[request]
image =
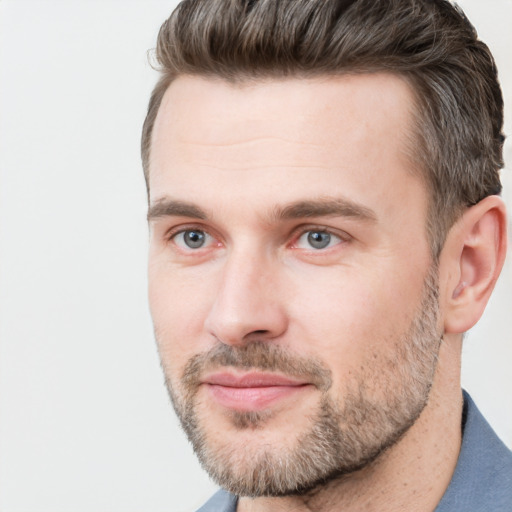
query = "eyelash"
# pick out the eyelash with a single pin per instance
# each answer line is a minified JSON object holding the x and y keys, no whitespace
{"x":296,"y":235}
{"x":172,"y":234}
{"x":303,"y":230}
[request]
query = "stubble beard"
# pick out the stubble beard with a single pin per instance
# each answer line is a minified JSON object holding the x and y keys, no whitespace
{"x":343,"y":437}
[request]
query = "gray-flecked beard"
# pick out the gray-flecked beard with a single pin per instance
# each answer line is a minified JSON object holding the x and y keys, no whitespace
{"x":344,"y":436}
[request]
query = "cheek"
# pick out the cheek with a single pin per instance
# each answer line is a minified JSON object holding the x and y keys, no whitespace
{"x":352,"y":319}
{"x":178,"y":306}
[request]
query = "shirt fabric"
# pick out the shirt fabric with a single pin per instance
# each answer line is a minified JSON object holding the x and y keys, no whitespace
{"x":481,"y":482}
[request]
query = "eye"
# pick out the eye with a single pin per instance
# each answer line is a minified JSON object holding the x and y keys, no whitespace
{"x":317,"y":239}
{"x":192,"y":239}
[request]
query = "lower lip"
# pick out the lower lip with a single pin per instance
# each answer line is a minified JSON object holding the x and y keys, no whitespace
{"x":252,"y":399}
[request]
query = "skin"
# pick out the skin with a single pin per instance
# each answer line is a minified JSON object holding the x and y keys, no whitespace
{"x":235,"y":162}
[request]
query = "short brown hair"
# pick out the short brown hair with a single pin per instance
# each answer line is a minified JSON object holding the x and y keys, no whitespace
{"x":430,"y":43}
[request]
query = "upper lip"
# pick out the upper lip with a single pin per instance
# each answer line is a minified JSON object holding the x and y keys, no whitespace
{"x":250,"y":380}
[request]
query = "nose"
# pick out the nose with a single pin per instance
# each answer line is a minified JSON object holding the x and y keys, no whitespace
{"x":248,"y":303}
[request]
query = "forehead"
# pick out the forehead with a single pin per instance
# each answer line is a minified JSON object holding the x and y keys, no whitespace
{"x":314,"y":110}
{"x":344,"y":135}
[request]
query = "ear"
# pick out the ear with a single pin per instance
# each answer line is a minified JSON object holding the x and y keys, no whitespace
{"x":471,"y":261}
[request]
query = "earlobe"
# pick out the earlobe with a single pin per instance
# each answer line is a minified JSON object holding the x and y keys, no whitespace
{"x":477,"y":247}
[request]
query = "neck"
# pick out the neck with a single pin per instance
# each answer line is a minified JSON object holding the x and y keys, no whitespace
{"x":411,"y":475}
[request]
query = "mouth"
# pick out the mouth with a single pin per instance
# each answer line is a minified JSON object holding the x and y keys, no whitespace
{"x":254,"y":391}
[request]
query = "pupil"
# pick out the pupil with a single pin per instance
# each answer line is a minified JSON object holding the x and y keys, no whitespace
{"x":319,"y":240}
{"x":194,"y":239}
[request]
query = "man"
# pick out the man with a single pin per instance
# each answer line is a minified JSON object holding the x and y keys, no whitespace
{"x":323,"y":180}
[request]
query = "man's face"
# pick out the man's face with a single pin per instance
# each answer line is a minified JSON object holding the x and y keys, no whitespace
{"x":291,"y":287}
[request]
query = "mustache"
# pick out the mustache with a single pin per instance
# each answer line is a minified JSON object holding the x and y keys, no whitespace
{"x":256,"y":355}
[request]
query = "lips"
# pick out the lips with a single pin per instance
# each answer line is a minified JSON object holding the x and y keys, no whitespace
{"x":254,"y":391}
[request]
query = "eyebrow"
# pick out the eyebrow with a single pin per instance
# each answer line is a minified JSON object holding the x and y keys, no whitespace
{"x":171,"y":208}
{"x":339,"y":207}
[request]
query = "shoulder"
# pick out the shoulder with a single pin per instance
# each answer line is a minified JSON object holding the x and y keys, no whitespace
{"x":482,"y":481}
{"x":221,"y":501}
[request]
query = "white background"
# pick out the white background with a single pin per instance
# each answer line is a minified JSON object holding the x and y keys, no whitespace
{"x":85,"y":423}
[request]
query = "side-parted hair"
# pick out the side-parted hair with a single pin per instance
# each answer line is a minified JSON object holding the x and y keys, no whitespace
{"x":457,"y":133}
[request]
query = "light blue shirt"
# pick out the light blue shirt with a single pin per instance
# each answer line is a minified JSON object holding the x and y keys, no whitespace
{"x":482,"y":481}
